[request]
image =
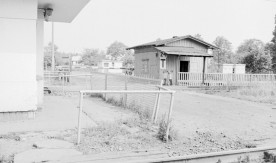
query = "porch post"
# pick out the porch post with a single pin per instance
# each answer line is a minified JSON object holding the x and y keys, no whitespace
{"x":203,"y":70}
{"x":177,"y":69}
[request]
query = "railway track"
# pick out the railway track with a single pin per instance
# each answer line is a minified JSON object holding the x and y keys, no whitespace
{"x":252,"y":155}
{"x":256,"y":155}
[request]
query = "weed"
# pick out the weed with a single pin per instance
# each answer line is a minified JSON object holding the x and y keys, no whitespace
{"x":144,"y":113}
{"x":6,"y":159}
{"x":115,"y":102}
{"x":97,"y":95}
{"x":269,"y":157}
{"x":163,"y":125}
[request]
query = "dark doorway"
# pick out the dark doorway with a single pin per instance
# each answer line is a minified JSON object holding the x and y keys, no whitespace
{"x":184,"y":66}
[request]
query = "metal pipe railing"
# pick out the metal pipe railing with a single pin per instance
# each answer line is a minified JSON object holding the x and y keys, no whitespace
{"x":83,"y":92}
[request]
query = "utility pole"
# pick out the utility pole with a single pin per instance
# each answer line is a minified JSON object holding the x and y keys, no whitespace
{"x":53,"y":48}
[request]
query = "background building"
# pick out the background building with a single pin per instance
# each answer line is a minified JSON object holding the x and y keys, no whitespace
{"x":177,"y":54}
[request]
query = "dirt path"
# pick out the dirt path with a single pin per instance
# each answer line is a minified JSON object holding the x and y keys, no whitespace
{"x":100,"y":111}
{"x":235,"y":118}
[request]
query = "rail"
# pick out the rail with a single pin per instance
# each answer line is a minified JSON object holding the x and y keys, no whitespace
{"x":218,"y":157}
{"x":219,"y":79}
{"x":155,"y":110}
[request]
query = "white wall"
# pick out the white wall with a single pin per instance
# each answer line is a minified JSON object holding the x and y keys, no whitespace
{"x":18,"y":55}
{"x":110,"y":65}
{"x":196,"y":63}
{"x":233,"y":68}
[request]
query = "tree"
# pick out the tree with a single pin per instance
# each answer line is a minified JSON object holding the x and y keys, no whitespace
{"x":48,"y":54}
{"x":128,"y":59}
{"x":252,"y":53}
{"x":198,"y":36}
{"x":272,"y":49}
{"x":91,"y":57}
{"x":223,"y":55}
{"x":117,"y":50}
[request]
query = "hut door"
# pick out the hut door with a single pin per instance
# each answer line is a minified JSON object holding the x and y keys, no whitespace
{"x":184,"y":66}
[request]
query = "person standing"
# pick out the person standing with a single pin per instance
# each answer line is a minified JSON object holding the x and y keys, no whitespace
{"x":170,"y":77}
{"x":165,"y":77}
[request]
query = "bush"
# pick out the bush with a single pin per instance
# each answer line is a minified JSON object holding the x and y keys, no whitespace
{"x":173,"y":134}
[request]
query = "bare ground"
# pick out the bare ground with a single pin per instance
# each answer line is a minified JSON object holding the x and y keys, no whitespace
{"x":205,"y":123}
{"x":237,"y":119}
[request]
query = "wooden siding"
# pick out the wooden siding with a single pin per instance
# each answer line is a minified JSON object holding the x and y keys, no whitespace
{"x":172,"y":62}
{"x":153,"y":62}
{"x":189,"y":43}
{"x":145,"y":50}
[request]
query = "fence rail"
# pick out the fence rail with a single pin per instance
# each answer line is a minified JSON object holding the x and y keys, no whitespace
{"x":219,"y":79}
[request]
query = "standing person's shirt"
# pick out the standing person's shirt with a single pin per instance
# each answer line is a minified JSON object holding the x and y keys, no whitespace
{"x":165,"y":75}
{"x":170,"y":75}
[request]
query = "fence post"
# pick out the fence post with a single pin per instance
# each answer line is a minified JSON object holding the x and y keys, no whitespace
{"x":105,"y":85}
{"x":125,"y":98}
{"x":91,"y":84}
{"x":63,"y":83}
{"x":80,"y":115}
{"x":156,"y":107}
{"x":169,"y":117}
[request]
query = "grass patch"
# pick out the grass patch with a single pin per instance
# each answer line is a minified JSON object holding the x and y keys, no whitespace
{"x":144,"y":113}
{"x":260,"y":93}
{"x":124,"y":135}
{"x":115,"y":102}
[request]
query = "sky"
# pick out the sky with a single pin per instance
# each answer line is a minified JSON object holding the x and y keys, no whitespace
{"x":134,"y":22}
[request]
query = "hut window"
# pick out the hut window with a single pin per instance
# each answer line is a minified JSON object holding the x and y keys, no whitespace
{"x":145,"y":65}
{"x":106,"y":64}
{"x":163,"y":64}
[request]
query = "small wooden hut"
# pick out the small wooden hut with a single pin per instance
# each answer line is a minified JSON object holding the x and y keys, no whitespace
{"x":177,"y":54}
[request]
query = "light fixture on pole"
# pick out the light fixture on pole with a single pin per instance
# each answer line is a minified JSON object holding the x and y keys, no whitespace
{"x":47,"y":12}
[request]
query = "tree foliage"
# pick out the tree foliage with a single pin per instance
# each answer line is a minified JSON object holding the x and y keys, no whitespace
{"x":272,"y":48}
{"x":253,"y":54}
{"x":118,"y":50}
{"x":128,"y":59}
{"x":91,"y":57}
{"x":222,"y":55}
{"x":198,"y":36}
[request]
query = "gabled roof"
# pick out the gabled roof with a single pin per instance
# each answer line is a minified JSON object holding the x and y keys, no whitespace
{"x":170,"y":40}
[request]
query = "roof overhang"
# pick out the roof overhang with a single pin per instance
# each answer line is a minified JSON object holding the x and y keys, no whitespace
{"x":63,"y":10}
{"x":183,"y":51}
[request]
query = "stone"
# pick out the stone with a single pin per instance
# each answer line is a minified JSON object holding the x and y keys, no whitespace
{"x":53,"y":144}
{"x":44,"y":155}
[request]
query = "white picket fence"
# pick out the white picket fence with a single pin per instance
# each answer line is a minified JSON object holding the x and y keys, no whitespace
{"x":219,"y":79}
